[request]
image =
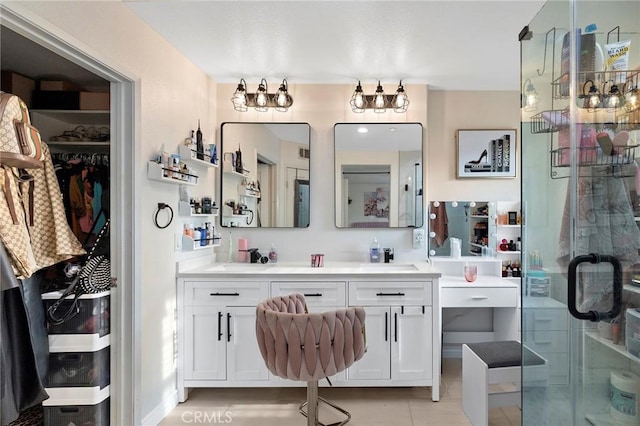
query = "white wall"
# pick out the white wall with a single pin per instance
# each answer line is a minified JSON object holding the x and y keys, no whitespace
{"x":449,"y":111}
{"x":174,"y":94}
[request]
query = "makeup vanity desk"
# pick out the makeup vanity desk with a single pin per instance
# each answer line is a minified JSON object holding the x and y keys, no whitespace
{"x":489,"y":290}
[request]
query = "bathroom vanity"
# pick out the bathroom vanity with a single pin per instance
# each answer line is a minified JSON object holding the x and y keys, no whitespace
{"x":216,"y":306}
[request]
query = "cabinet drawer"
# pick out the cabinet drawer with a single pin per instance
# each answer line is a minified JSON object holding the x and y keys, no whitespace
{"x":389,"y":293}
{"x":479,"y":297}
{"x":325,"y":293}
{"x":543,"y":342}
{"x":231,"y":293}
{"x":539,"y":319}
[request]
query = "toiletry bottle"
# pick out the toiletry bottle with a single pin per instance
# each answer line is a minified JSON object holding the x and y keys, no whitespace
{"x":230,"y":249}
{"x":374,"y":251}
{"x":239,"y":167}
{"x":199,"y":145}
{"x":196,"y":237}
{"x":273,"y":254}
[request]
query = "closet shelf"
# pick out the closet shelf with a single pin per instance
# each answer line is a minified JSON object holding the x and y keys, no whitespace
{"x":75,"y":116}
{"x":78,"y":143}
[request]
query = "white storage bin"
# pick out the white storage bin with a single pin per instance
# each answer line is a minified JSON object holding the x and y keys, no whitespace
{"x":632,"y":331}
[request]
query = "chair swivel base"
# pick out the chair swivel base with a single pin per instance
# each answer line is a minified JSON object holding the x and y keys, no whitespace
{"x":343,"y":411}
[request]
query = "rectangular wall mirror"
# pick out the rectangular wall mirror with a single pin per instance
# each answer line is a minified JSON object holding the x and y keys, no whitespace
{"x":378,"y":175}
{"x":265,"y":175}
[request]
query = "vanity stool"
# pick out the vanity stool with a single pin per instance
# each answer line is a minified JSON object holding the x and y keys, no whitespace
{"x":488,"y":363}
{"x":299,"y":345}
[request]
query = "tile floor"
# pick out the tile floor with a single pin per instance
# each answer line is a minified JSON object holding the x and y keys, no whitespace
{"x":368,"y":406}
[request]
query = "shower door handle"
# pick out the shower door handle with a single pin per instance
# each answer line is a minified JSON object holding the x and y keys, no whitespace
{"x":617,"y":287}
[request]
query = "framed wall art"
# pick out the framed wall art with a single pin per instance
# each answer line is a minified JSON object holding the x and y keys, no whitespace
{"x":486,"y":153}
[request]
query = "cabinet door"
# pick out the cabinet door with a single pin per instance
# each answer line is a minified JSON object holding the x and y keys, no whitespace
{"x":244,"y":361}
{"x":375,"y":364}
{"x":205,"y":345}
{"x":411,"y":334}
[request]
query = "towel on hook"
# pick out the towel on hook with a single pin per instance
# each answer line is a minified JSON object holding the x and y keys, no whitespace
{"x":605,"y":224}
{"x":439,"y":225}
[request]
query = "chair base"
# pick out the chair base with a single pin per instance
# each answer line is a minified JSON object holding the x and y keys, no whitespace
{"x":312,"y":409}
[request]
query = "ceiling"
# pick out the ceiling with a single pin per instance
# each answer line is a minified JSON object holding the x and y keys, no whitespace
{"x":449,"y":45}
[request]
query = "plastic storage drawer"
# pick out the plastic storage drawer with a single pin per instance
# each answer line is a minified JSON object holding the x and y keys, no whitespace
{"x":76,"y":369}
{"x":92,"y":314}
{"x":632,"y":331}
{"x":77,"y":406}
{"x":538,"y":286}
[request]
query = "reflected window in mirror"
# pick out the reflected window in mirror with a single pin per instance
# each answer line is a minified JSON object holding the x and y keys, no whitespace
{"x":378,"y":175}
{"x":265,"y":175}
{"x":471,"y":222}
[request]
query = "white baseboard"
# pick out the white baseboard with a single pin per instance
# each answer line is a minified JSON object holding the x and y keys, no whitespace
{"x":162,"y":410}
{"x":452,"y":351}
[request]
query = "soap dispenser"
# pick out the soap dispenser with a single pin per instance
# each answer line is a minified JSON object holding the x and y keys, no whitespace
{"x":374,"y":251}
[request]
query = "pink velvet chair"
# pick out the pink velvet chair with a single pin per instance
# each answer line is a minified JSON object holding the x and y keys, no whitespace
{"x":299,"y":345}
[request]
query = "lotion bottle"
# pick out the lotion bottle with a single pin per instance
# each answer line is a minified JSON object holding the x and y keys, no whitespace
{"x":374,"y":251}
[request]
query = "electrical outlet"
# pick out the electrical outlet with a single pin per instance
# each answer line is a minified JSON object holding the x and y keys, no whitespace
{"x":418,"y":238}
{"x":177,"y":242}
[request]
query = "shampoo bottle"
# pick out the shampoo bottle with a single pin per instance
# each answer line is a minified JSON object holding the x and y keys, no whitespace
{"x":374,"y":251}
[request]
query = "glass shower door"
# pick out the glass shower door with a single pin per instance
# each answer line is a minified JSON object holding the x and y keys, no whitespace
{"x":581,"y":241}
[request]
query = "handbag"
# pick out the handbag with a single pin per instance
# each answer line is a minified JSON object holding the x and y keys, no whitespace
{"x":93,"y":277}
{"x":20,"y":142}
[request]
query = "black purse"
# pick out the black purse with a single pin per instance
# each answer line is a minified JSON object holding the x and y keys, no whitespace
{"x":93,"y":277}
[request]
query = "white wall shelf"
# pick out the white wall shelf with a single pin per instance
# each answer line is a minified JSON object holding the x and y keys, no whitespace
{"x":184,"y":209}
{"x":189,"y":244}
{"x":621,"y":349}
{"x":155,"y":171}
{"x":190,"y":156}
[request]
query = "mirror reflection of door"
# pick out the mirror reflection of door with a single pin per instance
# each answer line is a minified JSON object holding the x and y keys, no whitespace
{"x":368,"y":192}
{"x":273,"y":156}
{"x":301,"y":206}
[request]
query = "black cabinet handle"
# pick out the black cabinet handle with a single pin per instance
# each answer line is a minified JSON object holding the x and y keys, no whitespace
{"x":617,"y":287}
{"x":386,"y":326}
{"x":228,"y":327}
{"x":390,"y":294}
{"x":396,"y":326}
{"x":219,"y":326}
{"x":312,"y":294}
{"x":224,"y":294}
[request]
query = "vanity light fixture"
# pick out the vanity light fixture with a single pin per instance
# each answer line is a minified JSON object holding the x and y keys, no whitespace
{"x":531,"y":98}
{"x":262,"y":100}
{"x":592,"y":99}
{"x":379,"y":102}
{"x":613,"y":99}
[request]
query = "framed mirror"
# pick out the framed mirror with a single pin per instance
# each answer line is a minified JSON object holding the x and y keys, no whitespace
{"x":265,"y":175}
{"x":378,"y":175}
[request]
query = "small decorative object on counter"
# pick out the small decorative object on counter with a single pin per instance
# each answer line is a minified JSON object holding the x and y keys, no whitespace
{"x":317,"y":260}
{"x":273,"y":254}
{"x":470,"y":273}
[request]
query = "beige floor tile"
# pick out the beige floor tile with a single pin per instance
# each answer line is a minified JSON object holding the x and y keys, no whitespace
{"x":452,"y":368}
{"x":454,"y":389}
{"x":447,"y":412}
{"x":514,"y":414}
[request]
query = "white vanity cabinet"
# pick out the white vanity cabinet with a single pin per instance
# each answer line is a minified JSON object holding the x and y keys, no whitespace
{"x":216,"y":333}
{"x":399,"y":326}
{"x":217,"y":344}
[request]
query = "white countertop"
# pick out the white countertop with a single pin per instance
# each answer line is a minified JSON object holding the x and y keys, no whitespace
{"x":481,"y":281}
{"x":211,"y":270}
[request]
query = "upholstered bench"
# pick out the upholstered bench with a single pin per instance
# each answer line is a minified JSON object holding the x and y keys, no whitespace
{"x":490,"y":363}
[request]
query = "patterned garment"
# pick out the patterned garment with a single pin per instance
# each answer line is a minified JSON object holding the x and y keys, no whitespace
{"x":49,"y":239}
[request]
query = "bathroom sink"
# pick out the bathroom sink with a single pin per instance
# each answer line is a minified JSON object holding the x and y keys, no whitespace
{"x":387,"y":267}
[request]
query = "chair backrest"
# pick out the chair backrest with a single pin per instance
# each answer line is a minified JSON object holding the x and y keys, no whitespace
{"x":299,"y":345}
